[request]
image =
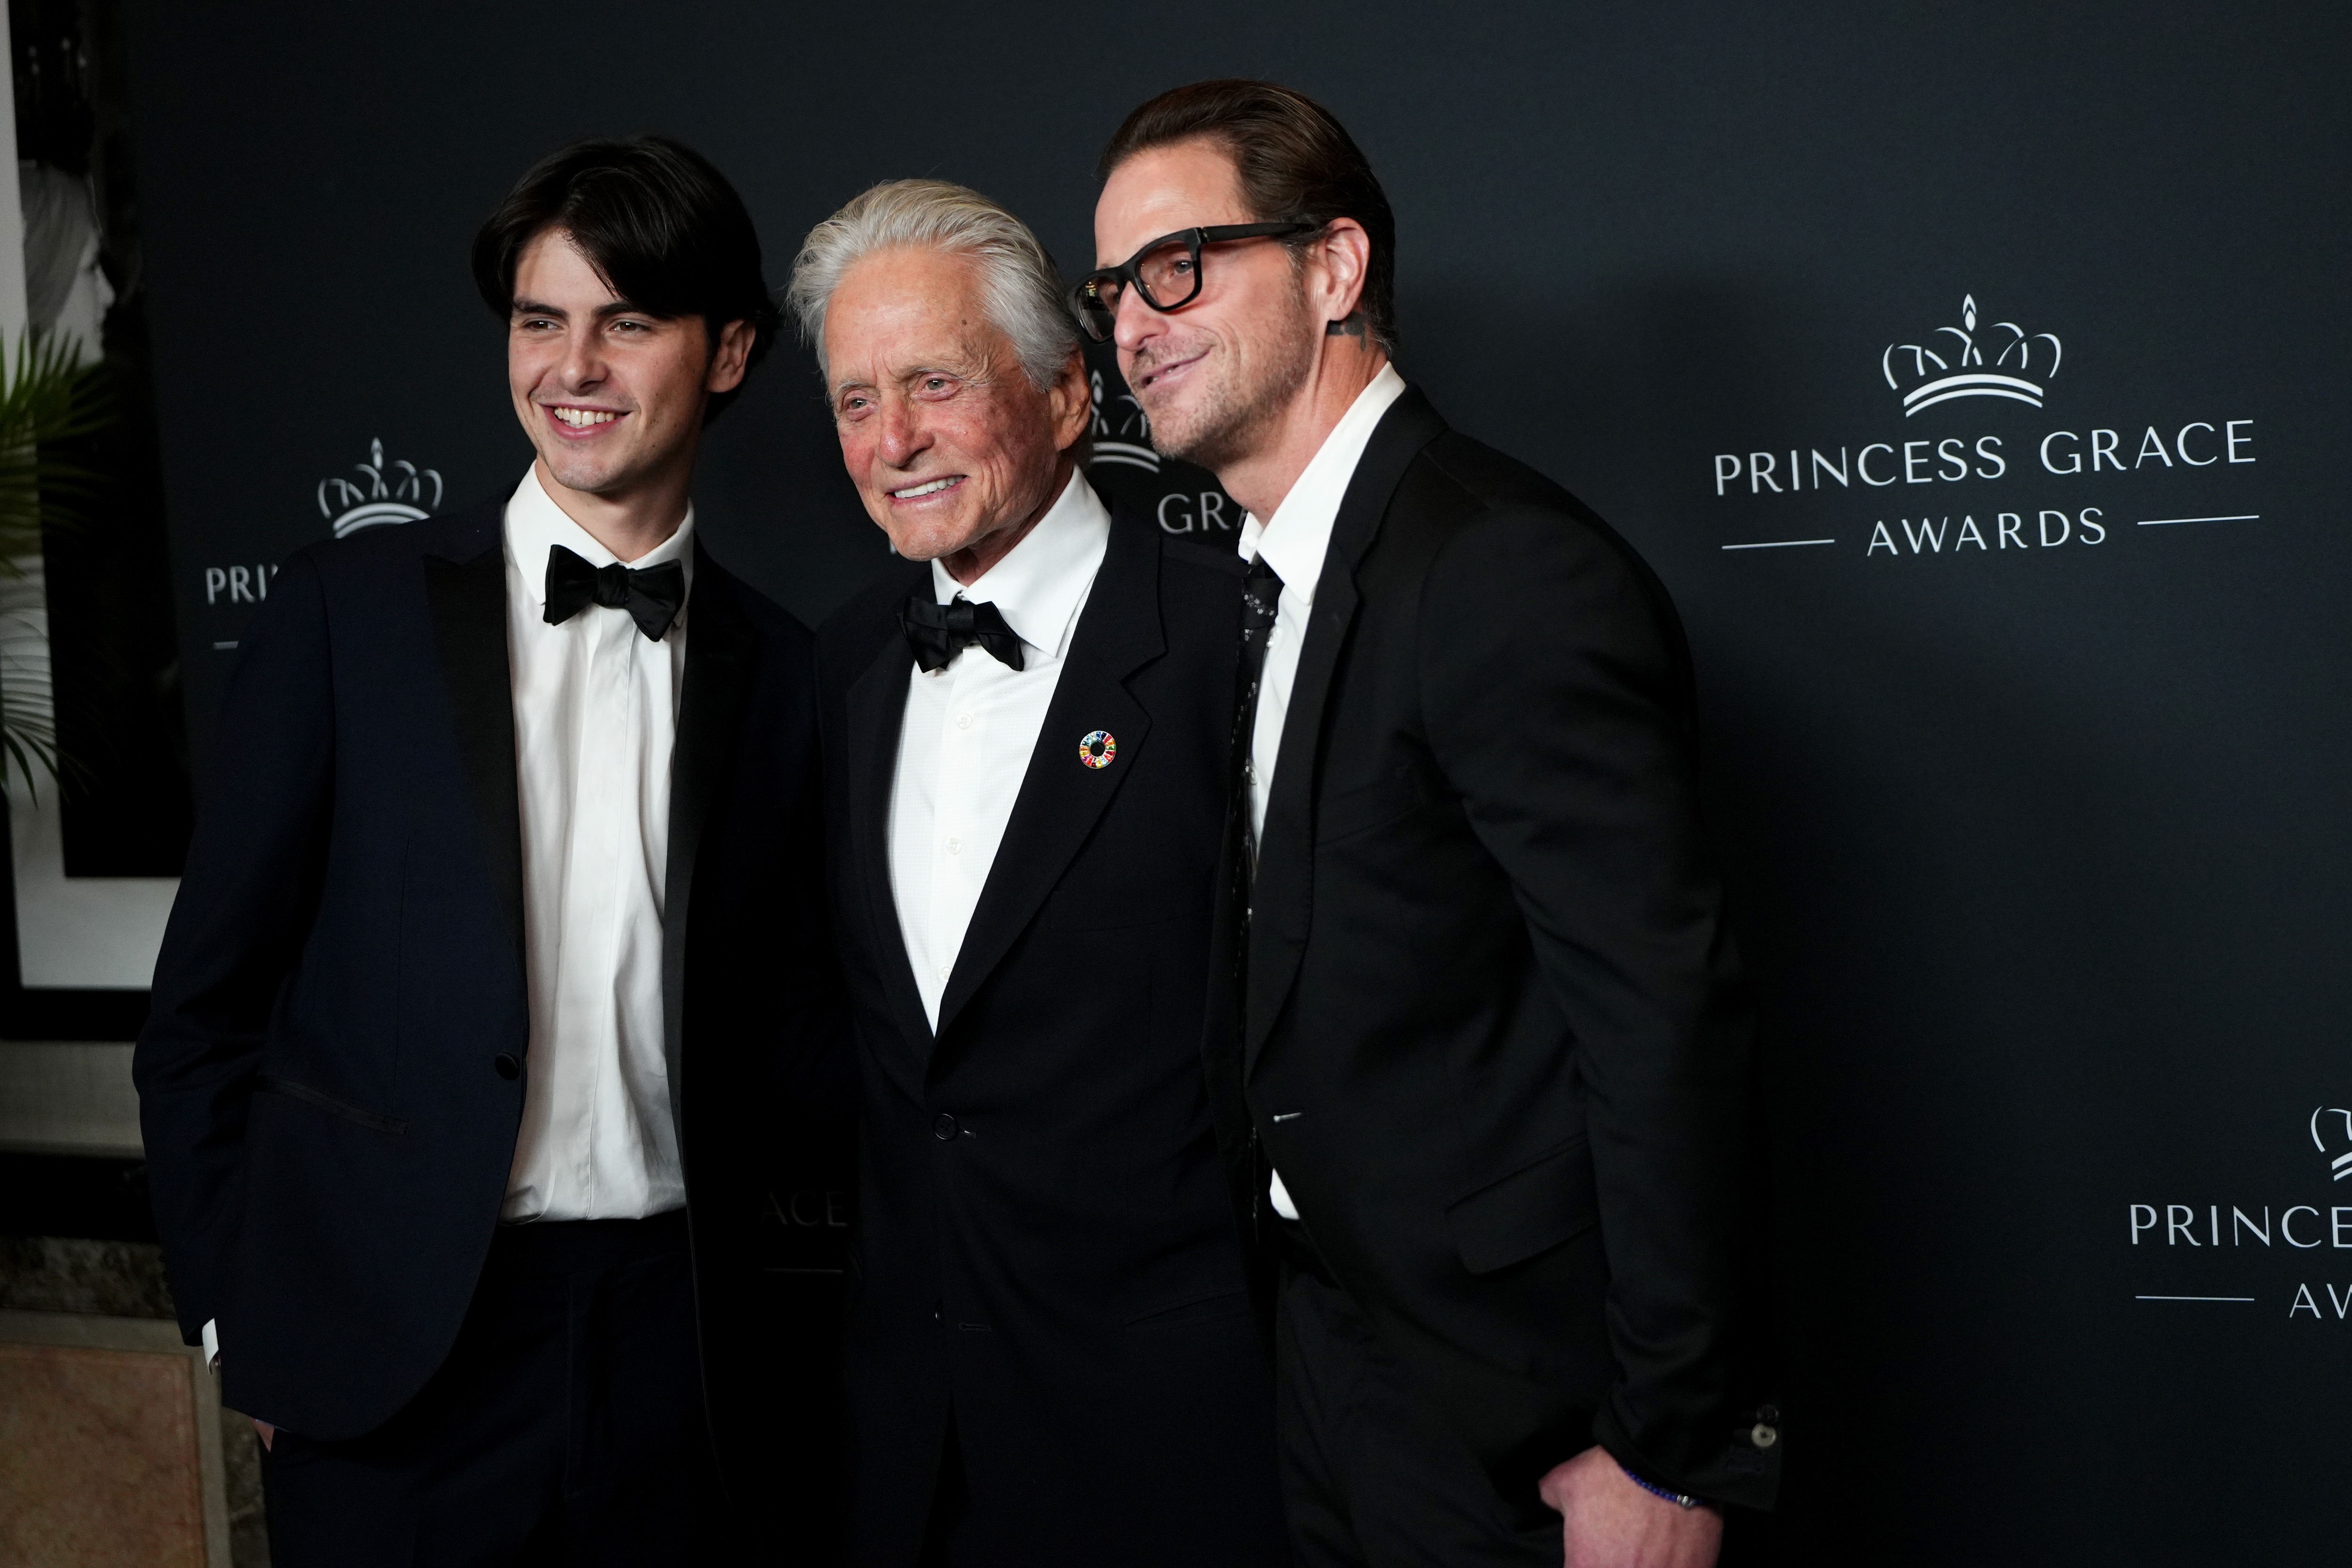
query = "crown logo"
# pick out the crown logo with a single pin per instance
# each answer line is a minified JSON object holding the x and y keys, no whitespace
{"x":384,"y":492}
{"x":1955,"y":378}
{"x":1128,"y":441}
{"x":2342,"y":1164}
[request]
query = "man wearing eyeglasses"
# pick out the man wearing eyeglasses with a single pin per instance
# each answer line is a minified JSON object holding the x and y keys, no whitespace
{"x":1490,"y":1025}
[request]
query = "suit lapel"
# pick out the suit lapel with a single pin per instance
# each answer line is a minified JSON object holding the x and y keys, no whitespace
{"x":1282,"y":902}
{"x":876,"y":703}
{"x":718,"y":665}
{"x":465,"y":595}
{"x":1061,"y":800}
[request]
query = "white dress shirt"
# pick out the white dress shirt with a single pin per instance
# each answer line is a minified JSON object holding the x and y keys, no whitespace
{"x":971,"y":727}
{"x":595,"y":708}
{"x":1294,"y":541}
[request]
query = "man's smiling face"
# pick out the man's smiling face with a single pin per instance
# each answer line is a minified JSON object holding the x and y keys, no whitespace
{"x":611,"y":395}
{"x":946,"y":439}
{"x":1213,"y":375}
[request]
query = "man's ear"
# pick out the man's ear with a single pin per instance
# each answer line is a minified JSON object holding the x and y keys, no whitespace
{"x":1342,"y":255}
{"x":1071,"y":399}
{"x":729,"y":357}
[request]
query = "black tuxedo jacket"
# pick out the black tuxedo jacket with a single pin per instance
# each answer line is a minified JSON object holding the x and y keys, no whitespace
{"x":1495,"y":1038}
{"x":328,"y":1080}
{"x":1048,"y":1241}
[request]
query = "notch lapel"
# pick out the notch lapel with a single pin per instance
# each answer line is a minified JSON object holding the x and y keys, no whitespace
{"x":1061,"y":800}
{"x":876,"y":704}
{"x":1282,"y":902}
{"x":465,"y":595}
{"x":719,"y":657}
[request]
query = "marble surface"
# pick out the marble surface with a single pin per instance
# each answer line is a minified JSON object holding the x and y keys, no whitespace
{"x":67,"y":1274}
{"x":110,"y":1450}
{"x":126,"y":1279}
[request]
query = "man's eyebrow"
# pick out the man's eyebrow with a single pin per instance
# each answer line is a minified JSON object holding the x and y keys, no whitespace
{"x":603,"y":312}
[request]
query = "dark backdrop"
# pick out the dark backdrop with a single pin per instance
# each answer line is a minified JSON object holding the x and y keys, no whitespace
{"x":2031,"y":793}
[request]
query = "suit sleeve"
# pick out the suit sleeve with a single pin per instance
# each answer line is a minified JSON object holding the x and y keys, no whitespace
{"x":1557,"y":705}
{"x":236,"y":929}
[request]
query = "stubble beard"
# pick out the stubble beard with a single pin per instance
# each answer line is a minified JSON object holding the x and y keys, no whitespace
{"x":1234,"y":413}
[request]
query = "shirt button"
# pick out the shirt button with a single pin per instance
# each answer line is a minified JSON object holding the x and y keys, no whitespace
{"x":955,"y":846}
{"x":963,"y":720}
{"x":944,"y":1128}
{"x":946,"y":970}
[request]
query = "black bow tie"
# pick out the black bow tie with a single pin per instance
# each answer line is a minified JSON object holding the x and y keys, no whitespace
{"x":652,"y":596}
{"x":938,"y":632}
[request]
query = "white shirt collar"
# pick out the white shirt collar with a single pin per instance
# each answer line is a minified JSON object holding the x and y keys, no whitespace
{"x":535,"y":524}
{"x":1295,"y":539}
{"x":1041,"y":583}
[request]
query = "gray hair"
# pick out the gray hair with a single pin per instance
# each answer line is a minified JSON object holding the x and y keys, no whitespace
{"x":1019,"y":286}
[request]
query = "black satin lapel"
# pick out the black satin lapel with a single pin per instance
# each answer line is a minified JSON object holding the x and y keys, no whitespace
{"x":1061,"y":798}
{"x":877,"y":710}
{"x":719,"y":653}
{"x":1281,"y":904}
{"x":468,"y":606}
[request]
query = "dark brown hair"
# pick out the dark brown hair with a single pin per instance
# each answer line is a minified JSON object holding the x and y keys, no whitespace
{"x":661,"y":224}
{"x":1293,"y":158}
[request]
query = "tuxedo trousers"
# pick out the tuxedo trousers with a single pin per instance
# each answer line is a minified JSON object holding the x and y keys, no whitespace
{"x":1371,"y":1475}
{"x":567,"y":1426}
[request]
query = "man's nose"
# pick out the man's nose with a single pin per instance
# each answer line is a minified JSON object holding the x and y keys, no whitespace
{"x":584,"y":363}
{"x":1136,"y":323}
{"x":903,"y":432}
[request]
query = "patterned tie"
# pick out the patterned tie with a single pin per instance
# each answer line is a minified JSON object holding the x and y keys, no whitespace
{"x":1261,"y":598}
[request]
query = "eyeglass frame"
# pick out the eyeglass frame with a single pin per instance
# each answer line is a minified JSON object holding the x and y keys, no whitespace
{"x":1195,"y":240}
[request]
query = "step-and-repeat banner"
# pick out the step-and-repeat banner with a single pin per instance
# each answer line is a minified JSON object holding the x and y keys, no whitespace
{"x":1973,"y":377}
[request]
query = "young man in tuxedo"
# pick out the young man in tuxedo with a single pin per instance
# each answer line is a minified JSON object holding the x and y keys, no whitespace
{"x":1495,"y":1041}
{"x":1053,"y":1353}
{"x":501,"y":938}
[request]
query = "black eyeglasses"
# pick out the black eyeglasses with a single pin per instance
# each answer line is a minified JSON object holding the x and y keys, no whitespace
{"x":1166,"y":273}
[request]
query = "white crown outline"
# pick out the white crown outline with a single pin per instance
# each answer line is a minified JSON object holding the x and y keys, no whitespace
{"x":1964,"y":383}
{"x":1134,"y":454}
{"x":389,"y":494}
{"x":2342,"y":1164}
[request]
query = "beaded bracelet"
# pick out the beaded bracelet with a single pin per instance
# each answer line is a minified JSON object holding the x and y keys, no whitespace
{"x":1678,"y":1499}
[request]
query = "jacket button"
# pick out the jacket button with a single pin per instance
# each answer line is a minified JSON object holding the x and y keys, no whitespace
{"x":508,"y":1069}
{"x":944,"y":1129}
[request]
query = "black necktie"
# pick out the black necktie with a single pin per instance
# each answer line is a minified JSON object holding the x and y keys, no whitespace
{"x":652,"y":596}
{"x":938,"y":632}
{"x":1261,"y":599}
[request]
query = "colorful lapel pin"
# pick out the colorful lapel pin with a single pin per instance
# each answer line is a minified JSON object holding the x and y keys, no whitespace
{"x":1097,"y":749}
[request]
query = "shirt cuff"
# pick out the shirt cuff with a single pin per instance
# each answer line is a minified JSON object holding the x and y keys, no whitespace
{"x":1278,"y":1194}
{"x":212,"y":1343}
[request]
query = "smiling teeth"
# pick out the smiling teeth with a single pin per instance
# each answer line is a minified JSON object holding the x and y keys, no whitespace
{"x":580,"y":418}
{"x":924,"y":489}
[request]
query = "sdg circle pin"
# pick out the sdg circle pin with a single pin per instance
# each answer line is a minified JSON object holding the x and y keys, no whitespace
{"x":1097,"y":749}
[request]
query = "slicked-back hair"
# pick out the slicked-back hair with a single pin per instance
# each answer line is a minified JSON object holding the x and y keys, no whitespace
{"x":661,"y":226}
{"x":1293,"y":158}
{"x":1020,"y":289}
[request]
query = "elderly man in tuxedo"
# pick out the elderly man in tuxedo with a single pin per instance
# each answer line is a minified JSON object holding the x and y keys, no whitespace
{"x":1056,"y":1352}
